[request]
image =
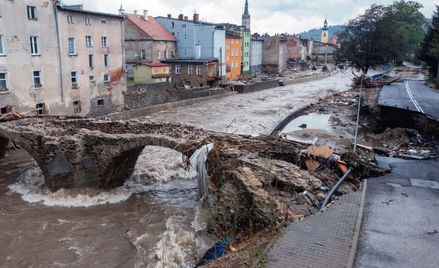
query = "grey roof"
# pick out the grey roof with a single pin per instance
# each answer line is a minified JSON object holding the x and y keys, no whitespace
{"x":74,"y":8}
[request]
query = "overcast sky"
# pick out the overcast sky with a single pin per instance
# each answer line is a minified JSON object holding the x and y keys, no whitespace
{"x":272,"y":16}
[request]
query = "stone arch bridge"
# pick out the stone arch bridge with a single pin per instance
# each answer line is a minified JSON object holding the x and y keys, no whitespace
{"x":75,"y":153}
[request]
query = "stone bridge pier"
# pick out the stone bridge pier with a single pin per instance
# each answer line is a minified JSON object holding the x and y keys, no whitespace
{"x":86,"y":153}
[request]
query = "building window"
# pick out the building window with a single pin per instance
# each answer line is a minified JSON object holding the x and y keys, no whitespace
{"x":177,"y":69}
{"x":104,"y":21}
{"x":70,"y":19}
{"x":236,"y":52}
{"x":158,"y":54}
{"x":183,"y":26}
{"x":88,"y":41}
{"x":190,"y":69}
{"x":232,"y":52}
{"x":100,"y":102}
{"x":199,"y":69}
{"x":72,"y":46}
{"x":38,"y":79}
{"x":31,"y":13}
{"x":236,"y":64}
{"x":4,"y":83}
{"x":166,"y":54}
{"x":40,"y":108}
{"x":106,"y":78}
{"x":2,"y":46}
{"x":232,"y":41}
{"x":76,"y":107}
{"x":227,"y":45}
{"x":172,"y":54}
{"x":184,"y":36}
{"x":233,"y":65}
{"x":170,"y":69}
{"x":74,"y":79}
{"x":91,"y":78}
{"x":227,"y":58}
{"x":87,"y":21}
{"x":172,"y":25}
{"x":34,"y":45}
{"x":91,"y":61}
{"x":142,"y":54}
{"x":236,"y":41}
{"x":104,"y":41}
{"x":106,"y":61}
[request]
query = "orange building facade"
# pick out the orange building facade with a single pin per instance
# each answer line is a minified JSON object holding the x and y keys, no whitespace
{"x":233,"y":55}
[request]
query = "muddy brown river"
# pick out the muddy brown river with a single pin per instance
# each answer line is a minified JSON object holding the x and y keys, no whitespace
{"x":154,"y":219}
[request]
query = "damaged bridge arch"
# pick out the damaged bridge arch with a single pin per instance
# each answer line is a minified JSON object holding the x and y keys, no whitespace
{"x":87,"y":153}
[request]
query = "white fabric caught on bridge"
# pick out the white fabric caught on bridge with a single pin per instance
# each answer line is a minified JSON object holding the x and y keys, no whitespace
{"x":198,"y":161}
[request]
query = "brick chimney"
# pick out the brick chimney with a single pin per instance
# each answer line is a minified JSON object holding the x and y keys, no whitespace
{"x":256,"y":35}
{"x":196,"y":17}
{"x":169,"y":15}
{"x":185,"y":17}
{"x":180,"y":16}
{"x":145,"y":15}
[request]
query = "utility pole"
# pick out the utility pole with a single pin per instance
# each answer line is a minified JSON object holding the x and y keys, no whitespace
{"x":326,"y":52}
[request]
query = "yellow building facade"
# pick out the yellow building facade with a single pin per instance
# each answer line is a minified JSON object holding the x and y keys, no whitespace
{"x":233,"y":55}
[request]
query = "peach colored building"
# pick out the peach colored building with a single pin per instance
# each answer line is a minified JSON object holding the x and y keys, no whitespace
{"x":233,"y":55}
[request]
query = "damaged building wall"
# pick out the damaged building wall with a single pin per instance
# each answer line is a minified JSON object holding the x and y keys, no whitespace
{"x":274,"y":56}
{"x":23,"y":66}
{"x":97,"y":63}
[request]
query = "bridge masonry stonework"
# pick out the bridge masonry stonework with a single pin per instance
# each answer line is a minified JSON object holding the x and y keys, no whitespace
{"x":87,"y":153}
{"x":264,"y":173}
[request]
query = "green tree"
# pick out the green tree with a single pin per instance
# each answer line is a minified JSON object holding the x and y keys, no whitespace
{"x":410,"y":25}
{"x":429,"y":51}
{"x":369,"y":40}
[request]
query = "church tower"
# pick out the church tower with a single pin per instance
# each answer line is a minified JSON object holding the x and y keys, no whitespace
{"x":325,"y":32}
{"x":246,"y":17}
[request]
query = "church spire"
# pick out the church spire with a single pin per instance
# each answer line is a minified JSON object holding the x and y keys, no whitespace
{"x":246,"y":17}
{"x":246,"y":9}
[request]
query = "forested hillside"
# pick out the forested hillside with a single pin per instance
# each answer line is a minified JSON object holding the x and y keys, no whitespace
{"x":316,"y":34}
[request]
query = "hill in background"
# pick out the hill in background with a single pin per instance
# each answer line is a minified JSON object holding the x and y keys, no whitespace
{"x":316,"y":34}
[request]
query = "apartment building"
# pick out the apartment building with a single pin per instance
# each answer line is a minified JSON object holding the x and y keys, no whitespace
{"x":197,"y":39}
{"x":146,"y":41}
{"x":60,"y":60}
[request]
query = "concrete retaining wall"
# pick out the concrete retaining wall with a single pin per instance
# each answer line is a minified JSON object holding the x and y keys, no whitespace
{"x":143,"y":95}
{"x":306,"y":79}
{"x":256,"y":86}
{"x":126,"y":115}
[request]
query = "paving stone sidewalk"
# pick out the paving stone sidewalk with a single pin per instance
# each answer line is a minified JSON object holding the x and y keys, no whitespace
{"x":334,"y":228}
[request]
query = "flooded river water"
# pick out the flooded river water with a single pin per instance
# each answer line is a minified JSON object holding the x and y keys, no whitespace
{"x":154,"y":220}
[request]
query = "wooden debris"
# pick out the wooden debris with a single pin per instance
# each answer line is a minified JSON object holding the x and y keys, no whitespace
{"x":319,"y":243}
{"x":322,"y":151}
{"x":364,"y":146}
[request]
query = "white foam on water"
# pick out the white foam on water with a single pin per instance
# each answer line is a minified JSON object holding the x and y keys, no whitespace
{"x":155,"y":167}
{"x":172,"y":249}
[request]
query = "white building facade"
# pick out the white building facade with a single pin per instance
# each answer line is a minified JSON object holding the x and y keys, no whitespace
{"x":60,"y":60}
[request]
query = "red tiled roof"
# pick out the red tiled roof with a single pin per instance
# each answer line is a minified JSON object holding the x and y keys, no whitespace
{"x":333,"y":40}
{"x":152,"y":27}
{"x":155,"y":64}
